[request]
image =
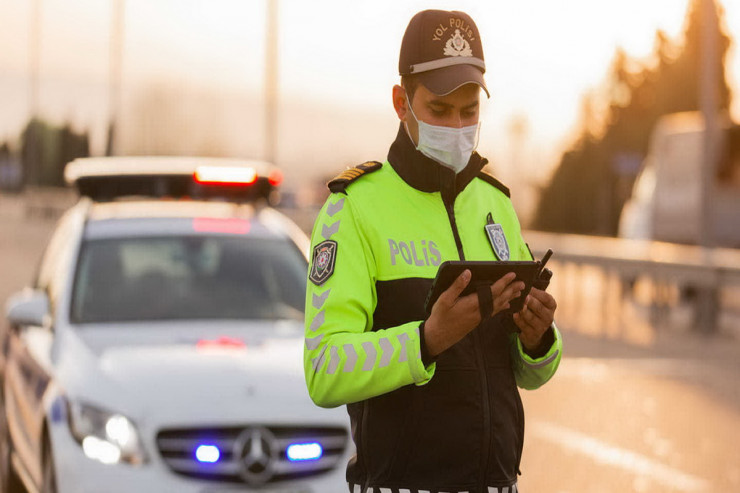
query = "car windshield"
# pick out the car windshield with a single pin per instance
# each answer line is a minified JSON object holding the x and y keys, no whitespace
{"x":188,"y":277}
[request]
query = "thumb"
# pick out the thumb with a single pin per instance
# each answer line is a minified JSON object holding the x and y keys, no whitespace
{"x":457,"y":287}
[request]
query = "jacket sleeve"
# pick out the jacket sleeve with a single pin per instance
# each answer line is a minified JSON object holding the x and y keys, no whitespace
{"x":532,"y":373}
{"x":344,"y":360}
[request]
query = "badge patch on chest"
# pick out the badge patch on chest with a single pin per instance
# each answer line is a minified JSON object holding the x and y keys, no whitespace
{"x":498,"y":241}
{"x":322,"y":264}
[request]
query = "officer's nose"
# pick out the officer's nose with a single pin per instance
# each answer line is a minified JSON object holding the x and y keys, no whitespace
{"x":457,"y":121}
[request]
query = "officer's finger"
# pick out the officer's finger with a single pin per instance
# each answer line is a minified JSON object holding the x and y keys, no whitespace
{"x":529,"y":323}
{"x":532,"y":306}
{"x":545,"y":298}
{"x":514,"y":290}
{"x":499,"y":286}
{"x":502,"y":301}
{"x":451,"y":294}
{"x":529,"y":336}
{"x":525,"y":326}
{"x":528,"y":316}
{"x":536,"y":307}
{"x":511,"y":291}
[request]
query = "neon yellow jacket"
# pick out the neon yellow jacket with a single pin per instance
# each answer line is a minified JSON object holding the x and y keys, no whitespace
{"x":386,"y":230}
{"x":376,"y":246}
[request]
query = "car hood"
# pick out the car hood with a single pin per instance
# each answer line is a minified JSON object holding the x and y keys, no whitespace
{"x":184,"y":373}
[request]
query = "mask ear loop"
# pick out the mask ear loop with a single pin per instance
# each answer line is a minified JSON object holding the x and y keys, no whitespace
{"x":411,"y":109}
{"x":477,"y":135}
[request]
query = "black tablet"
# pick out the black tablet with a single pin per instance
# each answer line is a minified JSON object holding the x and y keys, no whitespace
{"x":486,"y":273}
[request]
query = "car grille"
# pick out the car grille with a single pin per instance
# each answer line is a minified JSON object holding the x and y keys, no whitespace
{"x":253,"y":455}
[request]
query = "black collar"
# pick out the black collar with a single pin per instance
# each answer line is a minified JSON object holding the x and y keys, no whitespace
{"x":426,"y":174}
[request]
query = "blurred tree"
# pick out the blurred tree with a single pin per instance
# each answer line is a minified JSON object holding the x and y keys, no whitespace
{"x":8,"y":171}
{"x":46,"y":150}
{"x":71,"y":146}
{"x":594,"y":177}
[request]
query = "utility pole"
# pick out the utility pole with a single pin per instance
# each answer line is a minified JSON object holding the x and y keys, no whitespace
{"x":271,"y":81}
{"x":707,"y":303}
{"x":708,"y":103}
{"x":115,"y":72}
{"x":31,"y":168}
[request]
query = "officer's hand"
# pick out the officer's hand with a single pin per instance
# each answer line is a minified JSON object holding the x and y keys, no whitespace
{"x":535,"y":317}
{"x":454,"y":316}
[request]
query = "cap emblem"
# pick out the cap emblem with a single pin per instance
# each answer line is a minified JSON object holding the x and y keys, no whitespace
{"x":457,"y":46}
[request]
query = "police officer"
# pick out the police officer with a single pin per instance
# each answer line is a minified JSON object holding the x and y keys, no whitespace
{"x":432,"y":398}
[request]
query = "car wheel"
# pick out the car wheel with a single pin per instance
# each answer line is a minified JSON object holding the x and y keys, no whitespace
{"x":49,"y":480}
{"x":9,"y":481}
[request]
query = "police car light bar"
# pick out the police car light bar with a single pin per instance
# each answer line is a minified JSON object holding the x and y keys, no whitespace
{"x":201,"y":178}
{"x":225,"y":175}
{"x":221,"y":225}
{"x":276,"y":177}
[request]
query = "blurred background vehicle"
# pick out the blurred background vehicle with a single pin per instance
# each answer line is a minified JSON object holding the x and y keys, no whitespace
{"x":667,"y":200}
{"x":159,"y":348}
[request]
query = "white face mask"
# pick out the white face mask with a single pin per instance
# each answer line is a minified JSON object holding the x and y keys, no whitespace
{"x":451,"y":147}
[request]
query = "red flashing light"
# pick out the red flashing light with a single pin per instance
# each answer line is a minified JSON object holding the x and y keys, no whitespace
{"x":225,"y":175}
{"x":221,"y":342}
{"x":217,"y":225}
{"x":275,"y":178}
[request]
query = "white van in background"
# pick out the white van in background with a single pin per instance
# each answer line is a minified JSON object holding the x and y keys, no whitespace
{"x":666,"y":201}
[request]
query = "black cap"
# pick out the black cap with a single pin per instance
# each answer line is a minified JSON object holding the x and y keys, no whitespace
{"x":444,"y":50}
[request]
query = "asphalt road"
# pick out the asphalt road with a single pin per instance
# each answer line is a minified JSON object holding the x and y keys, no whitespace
{"x":617,"y":417}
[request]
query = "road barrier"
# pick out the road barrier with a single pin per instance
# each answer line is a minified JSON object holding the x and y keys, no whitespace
{"x":671,"y":278}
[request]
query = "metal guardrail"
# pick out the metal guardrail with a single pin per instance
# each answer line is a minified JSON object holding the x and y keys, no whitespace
{"x":707,"y":280}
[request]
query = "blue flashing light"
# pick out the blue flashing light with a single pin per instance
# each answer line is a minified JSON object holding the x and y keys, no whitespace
{"x":208,"y":454}
{"x":304,"y":451}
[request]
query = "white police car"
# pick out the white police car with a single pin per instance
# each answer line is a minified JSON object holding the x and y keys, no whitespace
{"x":160,"y":349}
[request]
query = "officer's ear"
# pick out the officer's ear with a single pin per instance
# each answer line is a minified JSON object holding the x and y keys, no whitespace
{"x":400,"y":102}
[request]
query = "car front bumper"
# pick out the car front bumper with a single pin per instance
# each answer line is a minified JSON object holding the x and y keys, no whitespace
{"x":76,"y":473}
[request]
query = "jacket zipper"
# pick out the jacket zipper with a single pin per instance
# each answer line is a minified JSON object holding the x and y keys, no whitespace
{"x":480,"y":360}
{"x":453,"y":224}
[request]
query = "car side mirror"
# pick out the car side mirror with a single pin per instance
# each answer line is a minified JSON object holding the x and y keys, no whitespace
{"x":28,"y":307}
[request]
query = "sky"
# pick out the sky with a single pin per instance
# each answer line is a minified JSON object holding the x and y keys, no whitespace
{"x":337,"y":63}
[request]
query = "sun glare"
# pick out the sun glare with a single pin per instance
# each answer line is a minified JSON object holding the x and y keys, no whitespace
{"x":541,"y":57}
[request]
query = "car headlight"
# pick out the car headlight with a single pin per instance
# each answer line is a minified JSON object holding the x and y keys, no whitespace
{"x":105,"y":436}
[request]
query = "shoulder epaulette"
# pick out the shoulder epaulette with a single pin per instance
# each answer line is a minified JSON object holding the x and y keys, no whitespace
{"x":340,"y":182}
{"x":483,"y":175}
